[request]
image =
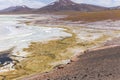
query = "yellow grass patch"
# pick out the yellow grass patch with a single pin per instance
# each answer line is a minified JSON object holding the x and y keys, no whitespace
{"x":92,"y":16}
{"x":42,"y":56}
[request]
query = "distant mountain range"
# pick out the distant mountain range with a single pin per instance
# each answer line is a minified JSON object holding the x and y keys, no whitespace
{"x":17,"y":9}
{"x":59,"y":5}
{"x":118,"y":7}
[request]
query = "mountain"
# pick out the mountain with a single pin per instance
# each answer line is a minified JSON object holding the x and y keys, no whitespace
{"x":68,"y":5}
{"x":16,"y":9}
{"x":59,"y":5}
{"x":117,"y":7}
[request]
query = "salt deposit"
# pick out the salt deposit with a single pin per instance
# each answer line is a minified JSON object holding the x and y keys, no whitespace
{"x":14,"y":34}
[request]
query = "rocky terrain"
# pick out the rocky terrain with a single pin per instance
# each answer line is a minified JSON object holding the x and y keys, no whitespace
{"x":58,"y":45}
{"x":100,"y":64}
{"x":93,"y":63}
{"x":81,"y":37}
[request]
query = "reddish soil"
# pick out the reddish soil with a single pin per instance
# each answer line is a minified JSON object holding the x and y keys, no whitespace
{"x":100,"y":64}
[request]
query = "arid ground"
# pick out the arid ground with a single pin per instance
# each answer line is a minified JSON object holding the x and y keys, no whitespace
{"x":95,"y":57}
{"x":69,"y":49}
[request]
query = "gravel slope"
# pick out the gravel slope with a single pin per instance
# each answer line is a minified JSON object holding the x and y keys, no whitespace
{"x":102,"y":64}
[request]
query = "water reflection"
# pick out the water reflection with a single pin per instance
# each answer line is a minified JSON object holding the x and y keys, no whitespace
{"x":5,"y":59}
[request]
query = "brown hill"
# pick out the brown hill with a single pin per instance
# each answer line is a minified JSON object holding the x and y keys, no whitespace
{"x":16,"y":9}
{"x":68,"y":5}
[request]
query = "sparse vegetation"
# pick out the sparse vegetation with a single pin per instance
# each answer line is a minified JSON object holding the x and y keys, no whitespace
{"x":27,"y":22}
{"x":42,"y":56}
{"x":91,"y":16}
{"x":45,"y":56}
{"x":89,"y":44}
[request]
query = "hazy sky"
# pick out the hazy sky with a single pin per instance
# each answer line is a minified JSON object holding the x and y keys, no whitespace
{"x":40,"y":3}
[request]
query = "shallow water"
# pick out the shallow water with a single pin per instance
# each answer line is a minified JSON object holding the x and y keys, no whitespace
{"x":5,"y":59}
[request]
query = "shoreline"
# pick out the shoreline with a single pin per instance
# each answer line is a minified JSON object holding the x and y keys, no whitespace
{"x":84,"y":39}
{"x":61,"y":73}
{"x":74,"y":59}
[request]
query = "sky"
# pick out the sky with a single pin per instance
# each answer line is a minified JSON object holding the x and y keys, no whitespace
{"x":41,"y":3}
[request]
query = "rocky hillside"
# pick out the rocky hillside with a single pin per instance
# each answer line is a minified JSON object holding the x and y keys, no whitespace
{"x":16,"y":9}
{"x":68,"y":5}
